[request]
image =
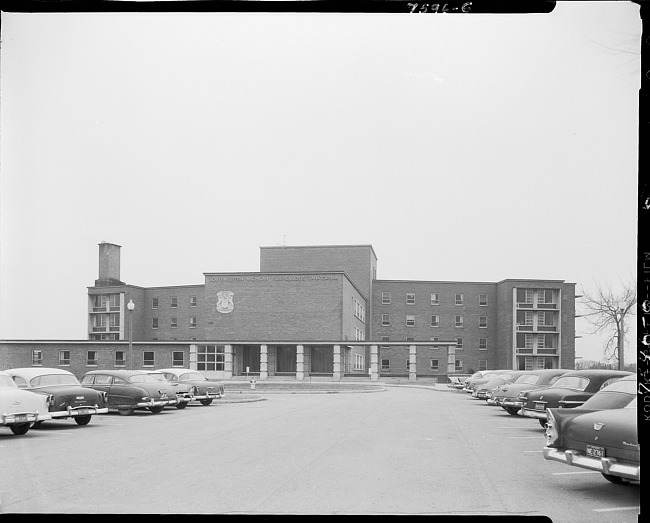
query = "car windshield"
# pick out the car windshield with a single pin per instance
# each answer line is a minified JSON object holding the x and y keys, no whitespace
{"x":528,"y":379}
{"x":7,"y":382}
{"x":53,"y":379}
{"x":572,"y":382}
{"x":193,"y":376}
{"x":142,"y":378}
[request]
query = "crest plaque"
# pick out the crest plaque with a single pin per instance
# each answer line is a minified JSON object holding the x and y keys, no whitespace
{"x":225,"y":301}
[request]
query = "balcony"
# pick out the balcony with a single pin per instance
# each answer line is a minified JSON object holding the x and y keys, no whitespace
{"x":100,"y":329}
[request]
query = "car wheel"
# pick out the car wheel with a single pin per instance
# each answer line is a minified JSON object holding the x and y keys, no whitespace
{"x":156,"y":410}
{"x":20,"y":428}
{"x":542,"y":422}
{"x":613,"y":479}
{"x":206,"y":401}
{"x":125,"y":412}
{"x":83,"y":420}
{"x":182,"y":405}
{"x":512,"y":412}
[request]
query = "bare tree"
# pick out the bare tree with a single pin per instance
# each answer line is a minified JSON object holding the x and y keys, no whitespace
{"x":606,"y":310}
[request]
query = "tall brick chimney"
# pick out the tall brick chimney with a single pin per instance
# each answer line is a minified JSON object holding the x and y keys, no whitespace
{"x":109,"y":265}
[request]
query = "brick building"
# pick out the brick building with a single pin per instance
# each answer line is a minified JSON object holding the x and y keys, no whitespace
{"x":316,"y":311}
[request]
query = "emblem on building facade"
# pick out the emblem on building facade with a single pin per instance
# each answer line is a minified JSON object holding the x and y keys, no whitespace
{"x":225,"y":302}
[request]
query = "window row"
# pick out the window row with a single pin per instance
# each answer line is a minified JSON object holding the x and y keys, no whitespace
{"x":435,"y":321}
{"x":173,"y":322}
{"x":119,"y":358}
{"x":359,"y":310}
{"x":482,"y":343}
{"x":434,"y":365}
{"x":100,"y":301}
{"x":545,"y":318}
{"x":173,"y":302}
{"x":544,"y":296}
{"x":358,"y":334}
{"x":459,"y":299}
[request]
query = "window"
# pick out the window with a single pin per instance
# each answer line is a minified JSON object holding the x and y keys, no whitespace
{"x":119,"y":358}
{"x":114,"y":302}
{"x":459,"y":366}
{"x":528,"y":343}
{"x":64,"y":357}
{"x":409,"y":339}
{"x":544,"y":342}
{"x":147,"y":358}
{"x":435,"y":321}
{"x":192,"y":301}
{"x":37,"y":357}
{"x":410,"y":320}
{"x":99,"y":301}
{"x":545,"y":318}
{"x":154,"y":303}
{"x":210,"y":357}
{"x":408,"y":365}
{"x":385,"y":365}
{"x":410,"y":298}
{"x":482,"y":344}
{"x":459,"y":343}
{"x":192,"y":322}
{"x":91,"y":358}
{"x":482,"y":364}
{"x":173,"y":323}
{"x":385,"y":338}
{"x":359,"y":334}
{"x":359,"y":363}
{"x":459,"y":299}
{"x":482,"y":300}
{"x":154,"y":323}
{"x":178,"y":359}
{"x":114,"y":321}
{"x":385,"y":298}
{"x":174,"y":302}
{"x":482,"y":322}
{"x":435,"y":346}
{"x":459,"y":321}
{"x":544,"y":296}
{"x":435,"y":365}
{"x":435,"y":298}
{"x":385,"y":320}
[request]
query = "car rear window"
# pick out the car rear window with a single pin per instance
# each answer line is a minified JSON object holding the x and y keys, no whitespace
{"x":142,"y":378}
{"x":192,"y":376}
{"x":572,"y":382}
{"x":53,"y":379}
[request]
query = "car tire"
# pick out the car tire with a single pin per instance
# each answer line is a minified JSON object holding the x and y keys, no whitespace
{"x":512,"y":412}
{"x":617,"y":480}
{"x":83,"y":420}
{"x":125,"y":411}
{"x":542,"y":422}
{"x":20,"y":428}
{"x":155,"y":410}
{"x":182,"y":405}
{"x":206,"y":401}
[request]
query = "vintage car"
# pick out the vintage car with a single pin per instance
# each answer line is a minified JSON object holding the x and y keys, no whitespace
{"x":477,"y":378}
{"x":205,"y":390}
{"x":127,"y":390}
{"x":20,"y":409}
{"x":569,"y":391}
{"x":69,"y":398}
{"x":484,"y":390}
{"x":506,"y":396}
{"x":184,"y":392}
{"x":457,"y":381}
{"x":595,"y":438}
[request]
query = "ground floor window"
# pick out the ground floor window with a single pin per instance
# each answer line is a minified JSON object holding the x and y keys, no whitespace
{"x":91,"y":358}
{"x":210,"y":357}
{"x":119,"y":358}
{"x":459,"y":366}
{"x":435,"y":365}
{"x":148,"y":358}
{"x":359,"y":362}
{"x":64,"y":357}
{"x":482,"y":365}
{"x":37,"y":357}
{"x":178,"y":359}
{"x":385,"y":365}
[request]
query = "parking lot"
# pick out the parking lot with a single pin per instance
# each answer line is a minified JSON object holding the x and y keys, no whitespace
{"x":406,"y":450}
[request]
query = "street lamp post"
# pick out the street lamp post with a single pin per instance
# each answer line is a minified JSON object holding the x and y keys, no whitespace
{"x":130,"y":306}
{"x":621,"y":339}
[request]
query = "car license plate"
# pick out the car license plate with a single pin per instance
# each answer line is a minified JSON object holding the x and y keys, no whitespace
{"x":540,"y":406}
{"x":82,"y":412}
{"x":20,"y":417}
{"x":595,"y":452}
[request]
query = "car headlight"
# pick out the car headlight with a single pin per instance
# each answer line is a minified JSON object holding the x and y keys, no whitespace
{"x":552,"y":434}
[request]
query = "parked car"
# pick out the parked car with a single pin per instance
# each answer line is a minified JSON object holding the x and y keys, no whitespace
{"x":481,"y":378}
{"x":20,"y":409}
{"x":69,"y":398}
{"x":184,"y":392}
{"x":569,"y":391}
{"x":484,"y":390}
{"x":205,"y":390}
{"x":601,"y":439}
{"x":457,"y":381}
{"x":506,"y":396}
{"x":127,"y":390}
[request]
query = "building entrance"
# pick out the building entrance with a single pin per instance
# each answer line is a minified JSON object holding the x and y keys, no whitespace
{"x":251,"y":358}
{"x":322,"y":360}
{"x":285,"y":359}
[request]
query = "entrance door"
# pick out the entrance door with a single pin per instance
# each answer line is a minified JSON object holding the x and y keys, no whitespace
{"x":285,"y":359}
{"x":322,"y":360}
{"x":251,"y":358}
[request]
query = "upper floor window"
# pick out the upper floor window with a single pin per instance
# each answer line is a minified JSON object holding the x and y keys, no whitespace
{"x":99,"y":301}
{"x":482,"y":344}
{"x":482,"y":322}
{"x":410,"y":298}
{"x":459,"y":299}
{"x":544,"y":296}
{"x":435,"y":298}
{"x":173,"y":322}
{"x":385,"y":298}
{"x":64,"y":357}
{"x":482,"y":300}
{"x":459,"y":321}
{"x":385,"y":338}
{"x":114,"y":302}
{"x":154,"y":303}
{"x":524,"y":295}
{"x":410,"y":320}
{"x":435,"y":338}
{"x":174,"y":302}
{"x":154,"y":323}
{"x":192,"y":301}
{"x":385,"y":320}
{"x":192,"y":322}
{"x":435,"y":320}
{"x":459,"y":343}
{"x":37,"y":357}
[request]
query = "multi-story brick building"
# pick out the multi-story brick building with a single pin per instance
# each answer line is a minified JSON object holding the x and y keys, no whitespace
{"x":320,"y":310}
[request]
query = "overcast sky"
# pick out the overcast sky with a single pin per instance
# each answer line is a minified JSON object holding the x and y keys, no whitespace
{"x":462,"y":147}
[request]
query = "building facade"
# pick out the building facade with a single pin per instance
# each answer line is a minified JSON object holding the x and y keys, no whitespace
{"x":320,"y":311}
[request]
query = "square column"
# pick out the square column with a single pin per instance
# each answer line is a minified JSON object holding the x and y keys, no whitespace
{"x":451,"y":359}
{"x":412,"y":362}
{"x":300,"y":363}
{"x":337,"y":363}
{"x":374,"y":360}
{"x":193,"y":357}
{"x":264,"y":362}
{"x":227,"y":363}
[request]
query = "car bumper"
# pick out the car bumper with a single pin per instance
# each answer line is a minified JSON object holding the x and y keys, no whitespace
{"x":530,"y":413}
{"x":604,"y":465}
{"x":155,"y":403}
{"x":512,"y":404}
{"x":78,"y":411}
{"x":23,"y":417}
{"x":208,"y":396}
{"x":494,"y":401}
